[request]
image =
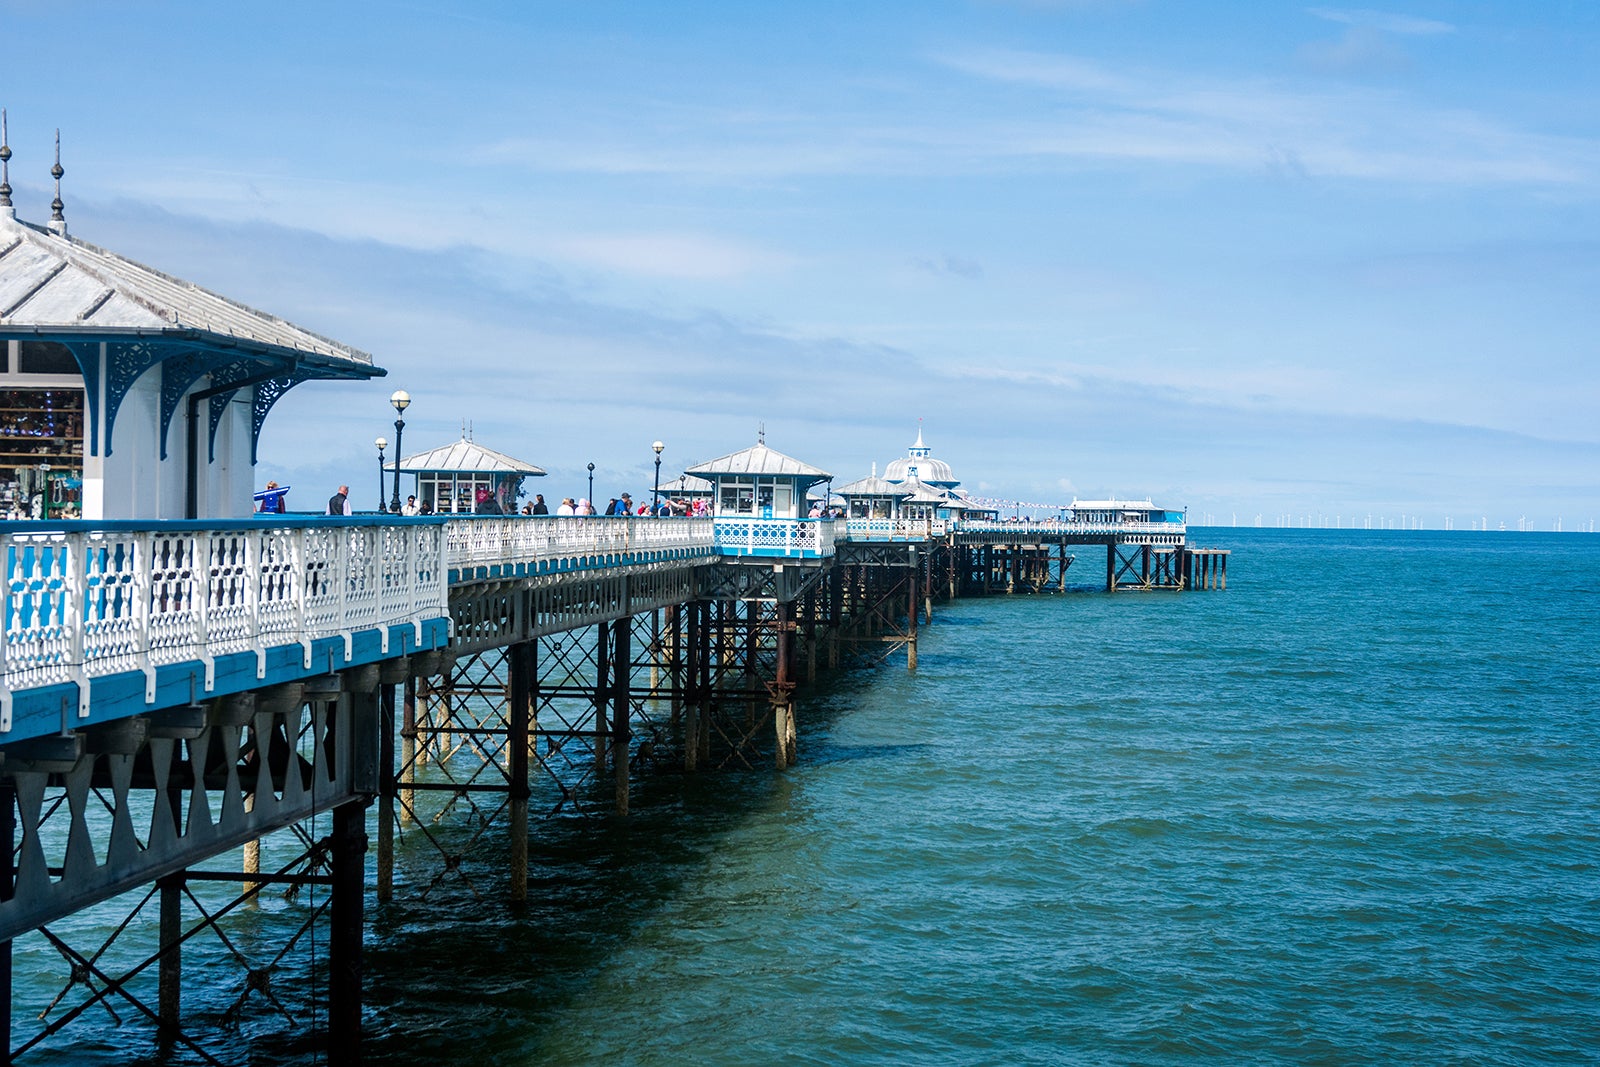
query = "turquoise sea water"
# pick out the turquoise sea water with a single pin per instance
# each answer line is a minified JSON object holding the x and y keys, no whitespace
{"x":1343,"y":812}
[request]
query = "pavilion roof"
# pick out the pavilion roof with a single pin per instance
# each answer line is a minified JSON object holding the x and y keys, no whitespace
{"x":922,"y":493}
{"x":758,"y":459}
{"x":53,"y":284}
{"x":873,"y":485}
{"x":463,"y":457}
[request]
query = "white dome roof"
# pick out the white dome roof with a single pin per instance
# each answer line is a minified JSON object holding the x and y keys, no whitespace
{"x":930,"y":470}
{"x":920,"y":464}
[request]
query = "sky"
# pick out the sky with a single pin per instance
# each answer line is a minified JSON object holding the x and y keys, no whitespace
{"x":1268,"y":262}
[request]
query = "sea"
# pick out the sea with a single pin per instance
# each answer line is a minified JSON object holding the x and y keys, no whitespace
{"x":1343,"y":812}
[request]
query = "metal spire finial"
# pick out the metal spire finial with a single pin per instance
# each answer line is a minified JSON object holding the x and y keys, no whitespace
{"x":761,"y":433}
{"x":58,"y":221}
{"x":5,"y":168}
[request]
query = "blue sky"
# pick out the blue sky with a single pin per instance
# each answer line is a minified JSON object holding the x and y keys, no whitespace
{"x":1250,"y":259}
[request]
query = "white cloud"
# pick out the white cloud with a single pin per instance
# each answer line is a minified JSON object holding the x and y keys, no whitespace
{"x":1383,"y":21}
{"x":1360,"y":49}
{"x":1257,"y":124}
{"x":669,"y":255}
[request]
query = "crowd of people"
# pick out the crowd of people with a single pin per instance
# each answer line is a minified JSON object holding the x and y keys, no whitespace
{"x":618,"y":506}
{"x":272,"y":500}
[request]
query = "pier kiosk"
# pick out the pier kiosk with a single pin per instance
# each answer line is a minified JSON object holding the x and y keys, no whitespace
{"x":872,"y":497}
{"x":757,"y":501}
{"x":466,"y":478}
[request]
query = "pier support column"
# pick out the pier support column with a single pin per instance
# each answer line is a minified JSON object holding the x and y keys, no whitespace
{"x":782,"y":694}
{"x":602,"y":687}
{"x":1111,"y":567}
{"x":250,"y":855}
{"x":707,"y":635}
{"x":911,"y":614}
{"x":690,"y":685}
{"x":622,"y":660}
{"x":169,"y":973}
{"x":346,"y":920}
{"x":811,"y":637}
{"x":408,"y":751}
{"x":674,"y":650}
{"x":524,"y":669}
{"x":387,"y":787}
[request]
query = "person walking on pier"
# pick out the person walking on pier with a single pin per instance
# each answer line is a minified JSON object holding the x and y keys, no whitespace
{"x":539,"y":507}
{"x":339,"y":503}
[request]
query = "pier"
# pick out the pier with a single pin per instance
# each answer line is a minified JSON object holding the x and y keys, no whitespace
{"x":189,"y":690}
{"x":173,"y":694}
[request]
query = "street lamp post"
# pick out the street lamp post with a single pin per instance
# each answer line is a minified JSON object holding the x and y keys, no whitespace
{"x":382,"y":444}
{"x":591,"y":485}
{"x":655,"y":487}
{"x":401,"y":400}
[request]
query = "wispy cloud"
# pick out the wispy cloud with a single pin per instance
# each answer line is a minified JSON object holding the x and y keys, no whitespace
{"x":950,"y":266}
{"x":1256,"y":124}
{"x":1360,"y":50}
{"x":670,"y":255}
{"x":1384,"y":21}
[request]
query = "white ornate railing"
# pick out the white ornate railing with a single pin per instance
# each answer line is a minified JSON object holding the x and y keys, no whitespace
{"x":492,"y":541}
{"x":893,"y":529}
{"x":739,"y":536}
{"x":85,"y":600}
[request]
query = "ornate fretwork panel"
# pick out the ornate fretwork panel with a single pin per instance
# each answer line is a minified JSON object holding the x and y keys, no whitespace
{"x":267,"y":394}
{"x":147,"y":797}
{"x":125,"y":362}
{"x":179,"y":372}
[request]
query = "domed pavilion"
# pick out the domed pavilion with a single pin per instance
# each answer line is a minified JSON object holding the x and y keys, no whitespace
{"x":919,"y":464}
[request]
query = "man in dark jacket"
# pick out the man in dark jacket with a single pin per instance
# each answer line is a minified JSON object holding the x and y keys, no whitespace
{"x":339,"y":503}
